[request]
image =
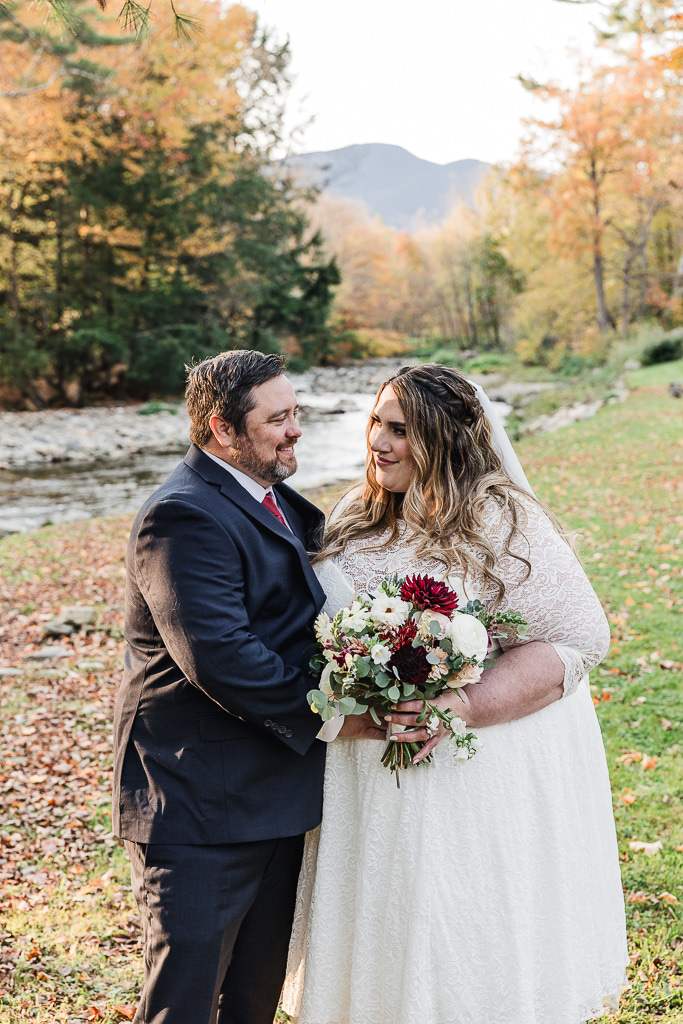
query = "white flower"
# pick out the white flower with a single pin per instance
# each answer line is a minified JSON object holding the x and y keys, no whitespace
{"x":389,"y":611}
{"x":469,"y":636}
{"x":433,"y":722}
{"x":355,"y":618}
{"x":325,"y":684}
{"x":322,"y":628}
{"x":462,"y":754}
{"x":329,"y":653}
{"x":458,"y":727}
{"x":380,"y":654}
{"x":427,"y":618}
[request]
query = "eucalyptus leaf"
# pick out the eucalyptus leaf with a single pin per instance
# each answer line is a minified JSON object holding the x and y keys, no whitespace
{"x":394,"y":693}
{"x":362,"y":667}
{"x":346,"y":705}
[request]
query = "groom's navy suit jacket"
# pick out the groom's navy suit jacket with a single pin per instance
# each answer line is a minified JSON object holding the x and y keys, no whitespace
{"x":214,"y":740}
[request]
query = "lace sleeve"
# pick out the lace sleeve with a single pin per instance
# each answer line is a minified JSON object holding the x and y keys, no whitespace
{"x":556,"y":598}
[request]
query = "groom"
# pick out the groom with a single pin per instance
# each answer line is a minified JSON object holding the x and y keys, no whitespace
{"x":218,"y":762}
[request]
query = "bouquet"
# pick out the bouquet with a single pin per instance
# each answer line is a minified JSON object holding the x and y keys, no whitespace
{"x":406,"y":640}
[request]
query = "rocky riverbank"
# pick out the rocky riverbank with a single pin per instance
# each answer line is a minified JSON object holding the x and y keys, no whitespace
{"x":109,"y":433}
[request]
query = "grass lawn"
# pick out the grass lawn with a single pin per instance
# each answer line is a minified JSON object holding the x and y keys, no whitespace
{"x":69,"y":939}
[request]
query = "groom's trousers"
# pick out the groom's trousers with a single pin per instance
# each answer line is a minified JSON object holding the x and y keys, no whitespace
{"x":216,"y":922}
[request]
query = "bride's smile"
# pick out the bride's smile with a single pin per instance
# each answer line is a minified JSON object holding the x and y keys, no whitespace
{"x":393,"y":460}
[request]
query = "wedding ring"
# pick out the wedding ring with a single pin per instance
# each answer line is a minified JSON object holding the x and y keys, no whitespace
{"x":430,"y":731}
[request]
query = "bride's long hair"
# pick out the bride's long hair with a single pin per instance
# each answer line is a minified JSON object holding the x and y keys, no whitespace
{"x":457,"y":473}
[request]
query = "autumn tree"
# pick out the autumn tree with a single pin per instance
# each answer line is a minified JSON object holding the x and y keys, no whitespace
{"x":612,"y":161}
{"x":161,"y":229}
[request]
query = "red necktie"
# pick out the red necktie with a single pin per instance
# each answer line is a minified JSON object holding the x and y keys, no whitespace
{"x":269,"y":503}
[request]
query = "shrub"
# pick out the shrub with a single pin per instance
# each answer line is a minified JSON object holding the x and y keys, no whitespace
{"x":446,"y":357}
{"x":489,"y":361}
{"x":669,"y":348}
{"x":571,"y":365}
{"x":155,"y":405}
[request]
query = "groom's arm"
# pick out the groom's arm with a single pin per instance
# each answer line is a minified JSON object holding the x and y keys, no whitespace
{"x":190,"y":575}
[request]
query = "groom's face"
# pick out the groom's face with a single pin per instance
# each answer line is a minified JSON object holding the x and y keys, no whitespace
{"x":265,"y":451}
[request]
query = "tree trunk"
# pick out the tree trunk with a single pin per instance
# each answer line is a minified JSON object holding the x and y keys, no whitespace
{"x":677,"y":289}
{"x":605,"y":320}
{"x":626,"y":296}
{"x":471,"y":316}
{"x":13,"y":207}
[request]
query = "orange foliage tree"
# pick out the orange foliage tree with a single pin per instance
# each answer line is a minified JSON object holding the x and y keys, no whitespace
{"x":612,"y":168}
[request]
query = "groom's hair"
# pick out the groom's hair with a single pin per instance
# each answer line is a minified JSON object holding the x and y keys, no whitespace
{"x":224,"y":386}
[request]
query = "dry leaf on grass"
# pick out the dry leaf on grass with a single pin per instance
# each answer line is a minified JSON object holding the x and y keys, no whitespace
{"x":125,"y":1012}
{"x":648,"y":848}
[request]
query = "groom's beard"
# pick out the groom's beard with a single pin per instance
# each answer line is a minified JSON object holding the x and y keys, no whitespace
{"x":273,"y":470}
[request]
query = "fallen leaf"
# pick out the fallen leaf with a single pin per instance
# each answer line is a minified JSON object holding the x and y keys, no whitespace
{"x":629,"y":757}
{"x":669,"y":897}
{"x":636,"y":897}
{"x":93,"y":1013}
{"x":125,"y":1012}
{"x":649,"y":763}
{"x":665,"y":723}
{"x":648,"y":848}
{"x":628,"y":797}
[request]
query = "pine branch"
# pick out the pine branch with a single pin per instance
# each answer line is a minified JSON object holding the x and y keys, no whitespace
{"x":65,"y":69}
{"x":134,"y":17}
{"x":185,"y":26}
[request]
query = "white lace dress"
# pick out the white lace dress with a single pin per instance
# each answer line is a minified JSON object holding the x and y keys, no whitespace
{"x":479,"y":893}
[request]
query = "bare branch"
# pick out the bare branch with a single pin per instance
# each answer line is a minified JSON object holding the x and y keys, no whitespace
{"x":65,"y":71}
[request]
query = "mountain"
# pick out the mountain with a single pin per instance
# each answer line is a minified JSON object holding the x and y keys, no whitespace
{"x":403,"y":189}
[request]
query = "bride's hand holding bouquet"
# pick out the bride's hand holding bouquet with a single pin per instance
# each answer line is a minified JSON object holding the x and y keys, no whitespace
{"x":406,"y":641}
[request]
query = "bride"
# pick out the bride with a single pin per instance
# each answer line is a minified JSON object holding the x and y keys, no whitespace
{"x":486,"y":892}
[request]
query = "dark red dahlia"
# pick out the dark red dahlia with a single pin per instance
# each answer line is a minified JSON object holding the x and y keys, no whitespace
{"x":400,"y":635}
{"x":427,"y":593}
{"x":410,"y":663}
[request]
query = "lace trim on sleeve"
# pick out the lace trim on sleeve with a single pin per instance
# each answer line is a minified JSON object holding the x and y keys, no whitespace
{"x":556,"y":598}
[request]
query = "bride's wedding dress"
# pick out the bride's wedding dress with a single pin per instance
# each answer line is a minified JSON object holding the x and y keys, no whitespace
{"x":479,"y":893}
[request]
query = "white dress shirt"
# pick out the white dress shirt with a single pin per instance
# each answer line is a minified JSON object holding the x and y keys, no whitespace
{"x":329,"y":730}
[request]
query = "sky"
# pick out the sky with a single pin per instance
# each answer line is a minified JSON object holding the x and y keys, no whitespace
{"x":437,"y":77}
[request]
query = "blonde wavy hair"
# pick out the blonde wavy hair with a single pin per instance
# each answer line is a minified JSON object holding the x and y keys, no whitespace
{"x":457,"y":473}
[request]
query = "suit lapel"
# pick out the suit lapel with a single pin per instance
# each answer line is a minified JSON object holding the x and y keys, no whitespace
{"x":297,"y":536}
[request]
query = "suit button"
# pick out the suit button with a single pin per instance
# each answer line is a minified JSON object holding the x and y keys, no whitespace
{"x":273,"y":726}
{"x":289,"y":734}
{"x":282,"y":729}
{"x":267,"y":723}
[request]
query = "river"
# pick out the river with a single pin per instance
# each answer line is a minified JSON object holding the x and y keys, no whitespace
{"x":331,"y":449}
